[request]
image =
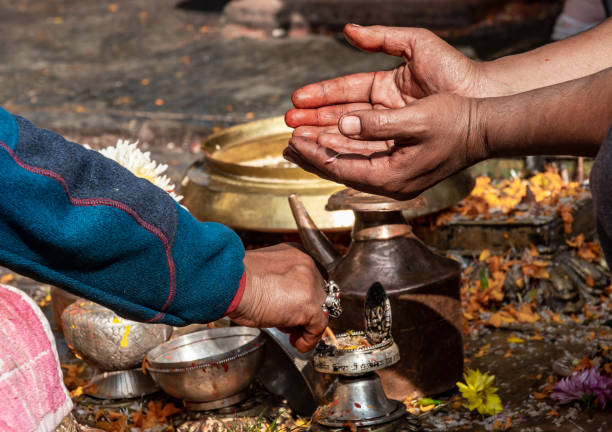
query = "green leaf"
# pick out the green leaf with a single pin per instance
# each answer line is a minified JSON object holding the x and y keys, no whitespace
{"x":484,"y":283}
{"x":428,"y":401}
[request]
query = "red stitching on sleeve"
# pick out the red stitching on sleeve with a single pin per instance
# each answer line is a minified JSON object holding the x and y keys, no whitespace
{"x":84,"y":202}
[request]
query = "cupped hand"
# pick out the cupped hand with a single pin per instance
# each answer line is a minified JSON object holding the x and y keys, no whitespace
{"x":283,"y":289}
{"x":430,"y":66}
{"x":396,"y":152}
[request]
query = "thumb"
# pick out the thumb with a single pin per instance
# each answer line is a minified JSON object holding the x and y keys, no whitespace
{"x":395,"y":41}
{"x":386,"y":124}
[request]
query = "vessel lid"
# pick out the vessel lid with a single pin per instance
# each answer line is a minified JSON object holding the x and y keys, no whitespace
{"x":351,"y":199}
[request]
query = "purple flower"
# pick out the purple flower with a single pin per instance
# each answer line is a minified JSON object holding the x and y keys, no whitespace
{"x":588,"y":382}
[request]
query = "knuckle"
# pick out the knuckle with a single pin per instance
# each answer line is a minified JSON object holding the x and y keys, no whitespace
{"x":381,"y":122}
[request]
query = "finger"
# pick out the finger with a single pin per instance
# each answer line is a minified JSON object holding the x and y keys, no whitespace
{"x":404,"y":123}
{"x":313,"y":330}
{"x":352,"y":169}
{"x":293,"y":156}
{"x":395,"y":41}
{"x":342,"y":144}
{"x":345,"y":89}
{"x":324,"y":116}
{"x":313,"y":132}
{"x":293,"y":338}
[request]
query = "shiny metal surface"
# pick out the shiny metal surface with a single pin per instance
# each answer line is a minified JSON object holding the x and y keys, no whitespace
{"x":332,"y":304}
{"x":60,"y":300}
{"x":423,"y":290}
{"x":124,"y":384}
{"x":107,"y":341}
{"x":442,"y":195}
{"x":382,"y":232}
{"x":286,"y":369}
{"x":243,"y":182}
{"x":377,"y":314}
{"x":351,"y":199}
{"x":360,"y":400}
{"x":355,"y":362}
{"x":217,"y":404}
{"x":208,"y":365}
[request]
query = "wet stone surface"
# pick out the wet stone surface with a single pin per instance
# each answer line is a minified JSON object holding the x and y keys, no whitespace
{"x":163,"y":71}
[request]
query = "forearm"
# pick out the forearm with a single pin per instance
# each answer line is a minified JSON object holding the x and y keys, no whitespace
{"x":565,"y":60}
{"x":75,"y":219}
{"x":570,"y":118}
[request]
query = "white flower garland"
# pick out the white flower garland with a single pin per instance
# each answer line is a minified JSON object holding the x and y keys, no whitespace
{"x":140,"y":164}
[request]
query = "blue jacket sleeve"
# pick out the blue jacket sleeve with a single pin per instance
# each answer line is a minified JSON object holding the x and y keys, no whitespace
{"x":75,"y":219}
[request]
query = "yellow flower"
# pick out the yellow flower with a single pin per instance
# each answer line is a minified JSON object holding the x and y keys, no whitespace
{"x":480,"y":393}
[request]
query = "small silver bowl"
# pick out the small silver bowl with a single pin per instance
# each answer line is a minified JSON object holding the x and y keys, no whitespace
{"x":208,"y":369}
{"x":105,"y":340}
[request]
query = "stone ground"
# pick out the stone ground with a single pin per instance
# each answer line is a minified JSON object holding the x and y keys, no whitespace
{"x":166,"y":75}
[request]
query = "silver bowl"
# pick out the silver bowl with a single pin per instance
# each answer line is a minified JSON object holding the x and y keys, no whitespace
{"x":105,"y":340}
{"x":208,"y":369}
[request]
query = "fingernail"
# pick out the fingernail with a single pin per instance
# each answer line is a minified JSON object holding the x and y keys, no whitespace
{"x":304,"y":133}
{"x":350,"y":125}
{"x":355,"y":25}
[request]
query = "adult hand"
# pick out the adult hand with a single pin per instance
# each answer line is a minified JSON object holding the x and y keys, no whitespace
{"x":430,"y":66}
{"x":397,"y":152}
{"x":283,"y":289}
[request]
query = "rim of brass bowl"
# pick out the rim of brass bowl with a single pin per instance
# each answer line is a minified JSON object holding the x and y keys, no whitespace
{"x":224,"y":151}
{"x":221,"y":188}
{"x":160,"y":359}
{"x":226,"y":186}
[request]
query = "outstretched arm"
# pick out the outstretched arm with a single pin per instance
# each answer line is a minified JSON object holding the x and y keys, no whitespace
{"x":432,"y":66}
{"x":401,"y":152}
{"x":75,"y":219}
{"x":575,"y":57}
{"x":71,"y":217}
{"x":570,"y":118}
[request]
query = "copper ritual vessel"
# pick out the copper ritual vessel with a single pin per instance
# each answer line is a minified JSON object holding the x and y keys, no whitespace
{"x":423,"y":288}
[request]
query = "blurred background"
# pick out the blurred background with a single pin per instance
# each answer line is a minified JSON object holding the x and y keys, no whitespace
{"x":170,"y":72}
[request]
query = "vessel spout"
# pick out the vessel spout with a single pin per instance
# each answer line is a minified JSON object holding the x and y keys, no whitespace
{"x":316,"y":243}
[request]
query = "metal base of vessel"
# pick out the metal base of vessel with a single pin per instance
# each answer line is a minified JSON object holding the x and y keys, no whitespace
{"x":407,"y":423}
{"x":213,"y":405}
{"x":124,"y":384}
{"x":359,"y":400}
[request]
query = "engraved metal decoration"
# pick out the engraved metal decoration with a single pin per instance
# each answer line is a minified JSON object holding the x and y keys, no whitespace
{"x":355,"y":361}
{"x":105,"y":340}
{"x":377,"y":313}
{"x":357,"y":394}
{"x":332,"y":302}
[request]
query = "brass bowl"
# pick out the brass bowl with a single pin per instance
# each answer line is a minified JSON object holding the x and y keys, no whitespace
{"x":243,"y":182}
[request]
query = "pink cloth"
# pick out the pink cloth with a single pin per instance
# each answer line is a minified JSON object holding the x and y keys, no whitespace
{"x":32,"y":394}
